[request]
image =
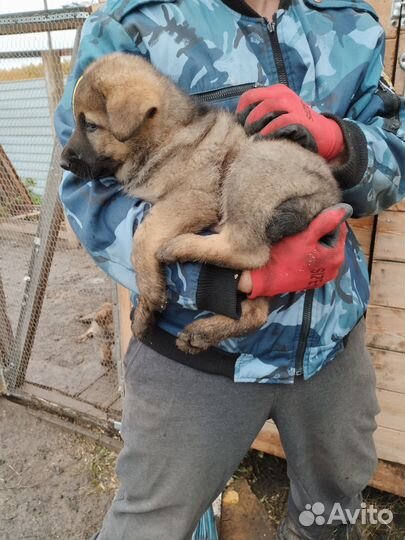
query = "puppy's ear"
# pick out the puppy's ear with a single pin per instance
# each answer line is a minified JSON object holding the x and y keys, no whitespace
{"x":127,"y":110}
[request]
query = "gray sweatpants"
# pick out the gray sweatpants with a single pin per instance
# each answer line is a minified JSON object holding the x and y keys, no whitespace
{"x":185,"y":432}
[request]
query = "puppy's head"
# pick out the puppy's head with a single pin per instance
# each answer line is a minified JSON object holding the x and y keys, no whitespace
{"x":116,"y":105}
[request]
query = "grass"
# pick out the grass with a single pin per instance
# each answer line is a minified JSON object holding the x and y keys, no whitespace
{"x":99,"y":465}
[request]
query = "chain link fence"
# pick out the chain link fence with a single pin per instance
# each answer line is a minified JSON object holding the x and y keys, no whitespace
{"x":56,"y":307}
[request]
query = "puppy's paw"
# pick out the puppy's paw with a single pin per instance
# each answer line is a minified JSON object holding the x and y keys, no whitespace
{"x":195,"y":339}
{"x":175,"y":250}
{"x":158,"y":299}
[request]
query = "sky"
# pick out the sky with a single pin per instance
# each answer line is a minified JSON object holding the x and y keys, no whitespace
{"x":61,"y":39}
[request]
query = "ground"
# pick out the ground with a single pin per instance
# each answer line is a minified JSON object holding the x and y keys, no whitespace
{"x":75,"y":287}
{"x":57,"y":486}
{"x":53,"y":485}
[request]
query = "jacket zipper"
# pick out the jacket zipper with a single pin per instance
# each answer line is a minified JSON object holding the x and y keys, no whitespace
{"x":305,"y":329}
{"x":278,"y":55}
{"x":235,"y":91}
{"x":309,"y":295}
{"x":224,"y":93}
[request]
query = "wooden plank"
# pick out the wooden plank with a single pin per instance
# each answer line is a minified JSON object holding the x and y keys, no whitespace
{"x":14,"y":196}
{"x":399,"y":207}
{"x":71,"y":380}
{"x":390,"y":238}
{"x":55,"y":402}
{"x":383,"y":9}
{"x":390,"y":49}
{"x":392,"y":406}
{"x":116,"y":408}
{"x":124,"y":302}
{"x":268,"y":441}
{"x":362,"y":228}
{"x":103,"y":392}
{"x":388,"y":284}
{"x":112,"y":443}
{"x":390,"y":370}
{"x":390,"y":445}
{"x":386,"y":328}
{"x":400,"y":73}
{"x":388,"y":477}
{"x":53,"y":80}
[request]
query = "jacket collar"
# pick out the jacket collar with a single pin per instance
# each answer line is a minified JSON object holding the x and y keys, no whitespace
{"x":244,"y":9}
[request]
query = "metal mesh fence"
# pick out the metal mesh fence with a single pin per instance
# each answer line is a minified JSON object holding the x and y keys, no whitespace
{"x":56,"y":310}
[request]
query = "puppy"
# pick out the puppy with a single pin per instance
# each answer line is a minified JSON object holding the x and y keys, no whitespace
{"x":199,"y":169}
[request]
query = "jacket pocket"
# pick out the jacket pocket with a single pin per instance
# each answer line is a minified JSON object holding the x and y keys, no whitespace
{"x":224,"y":98}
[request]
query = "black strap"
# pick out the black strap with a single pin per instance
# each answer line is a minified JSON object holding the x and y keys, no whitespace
{"x":214,"y":361}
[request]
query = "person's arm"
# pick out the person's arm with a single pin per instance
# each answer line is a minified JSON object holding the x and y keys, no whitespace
{"x":105,"y":218}
{"x":366,"y":149}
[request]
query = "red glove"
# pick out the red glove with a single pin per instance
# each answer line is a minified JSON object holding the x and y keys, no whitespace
{"x":306,"y":260}
{"x":278,"y":111}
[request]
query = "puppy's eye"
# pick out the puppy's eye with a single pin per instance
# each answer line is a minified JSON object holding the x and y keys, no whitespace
{"x":90,"y":127}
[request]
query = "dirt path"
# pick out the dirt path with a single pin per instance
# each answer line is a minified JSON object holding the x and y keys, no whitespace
{"x":57,"y":486}
{"x":53,"y":485}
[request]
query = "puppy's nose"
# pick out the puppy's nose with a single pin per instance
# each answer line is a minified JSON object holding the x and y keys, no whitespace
{"x":68,"y":157}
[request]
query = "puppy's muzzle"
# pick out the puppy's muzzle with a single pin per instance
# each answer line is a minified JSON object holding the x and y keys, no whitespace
{"x":69,"y":159}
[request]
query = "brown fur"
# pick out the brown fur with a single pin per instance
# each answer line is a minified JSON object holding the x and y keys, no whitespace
{"x":102,"y":330}
{"x":199,"y":169}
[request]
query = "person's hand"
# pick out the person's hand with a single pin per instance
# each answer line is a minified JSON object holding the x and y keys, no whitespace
{"x":277,"y":112}
{"x":304,"y":261}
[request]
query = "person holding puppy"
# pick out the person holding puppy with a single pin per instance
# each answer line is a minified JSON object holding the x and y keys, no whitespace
{"x":310,"y":71}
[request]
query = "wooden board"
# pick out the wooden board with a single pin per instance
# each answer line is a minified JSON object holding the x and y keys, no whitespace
{"x":103,"y":392}
{"x":383,"y":9}
{"x":14,"y":196}
{"x":400,"y":73}
{"x":390,"y":238}
{"x":390,"y":370}
{"x":399,"y":207}
{"x":362,"y":228}
{"x":392,"y":410}
{"x":124,"y":302}
{"x":390,"y":445}
{"x":386,"y":329}
{"x":388,"y":477}
{"x":388,"y":284}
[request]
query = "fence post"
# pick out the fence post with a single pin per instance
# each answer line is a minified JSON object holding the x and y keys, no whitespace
{"x":6,"y":333}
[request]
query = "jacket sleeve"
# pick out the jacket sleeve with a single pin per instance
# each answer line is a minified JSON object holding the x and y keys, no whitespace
{"x":373,"y":177}
{"x":105,"y":218}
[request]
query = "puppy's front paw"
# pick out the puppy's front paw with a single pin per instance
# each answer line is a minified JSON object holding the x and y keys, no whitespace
{"x":175,"y":250}
{"x":158,"y":299}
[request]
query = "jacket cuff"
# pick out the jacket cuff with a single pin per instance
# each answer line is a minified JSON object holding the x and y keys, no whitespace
{"x":217,"y":291}
{"x":352,"y":171}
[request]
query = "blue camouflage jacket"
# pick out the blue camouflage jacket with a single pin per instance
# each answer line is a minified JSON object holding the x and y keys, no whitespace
{"x":331,"y":54}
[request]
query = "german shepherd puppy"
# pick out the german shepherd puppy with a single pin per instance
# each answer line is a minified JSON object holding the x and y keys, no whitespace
{"x":200,"y":170}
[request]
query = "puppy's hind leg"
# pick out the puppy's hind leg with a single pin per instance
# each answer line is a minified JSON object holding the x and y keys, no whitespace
{"x":204,"y":333}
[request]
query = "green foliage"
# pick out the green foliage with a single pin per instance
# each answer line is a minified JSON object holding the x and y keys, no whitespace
{"x":31,"y":184}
